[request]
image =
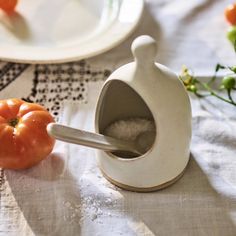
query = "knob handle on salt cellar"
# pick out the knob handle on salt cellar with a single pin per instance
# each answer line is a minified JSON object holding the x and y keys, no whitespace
{"x":144,"y":49}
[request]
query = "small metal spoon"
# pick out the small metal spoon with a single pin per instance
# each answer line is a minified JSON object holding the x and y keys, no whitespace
{"x":71,"y":135}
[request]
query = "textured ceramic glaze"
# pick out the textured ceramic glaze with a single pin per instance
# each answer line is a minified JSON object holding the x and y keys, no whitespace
{"x":149,"y":90}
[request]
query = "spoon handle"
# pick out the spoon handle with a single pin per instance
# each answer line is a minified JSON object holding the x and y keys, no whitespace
{"x":76,"y":136}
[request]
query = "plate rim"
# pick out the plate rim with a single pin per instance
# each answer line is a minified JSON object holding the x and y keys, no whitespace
{"x":75,"y":53}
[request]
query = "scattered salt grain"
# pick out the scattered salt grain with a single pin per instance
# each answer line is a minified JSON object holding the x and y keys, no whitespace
{"x":108,"y":201}
{"x":67,"y":204}
{"x":94,"y":217}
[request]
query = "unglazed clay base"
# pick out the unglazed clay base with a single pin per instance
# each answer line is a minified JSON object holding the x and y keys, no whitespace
{"x":143,"y":190}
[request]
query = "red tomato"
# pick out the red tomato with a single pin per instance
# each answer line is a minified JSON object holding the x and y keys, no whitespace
{"x":230,"y":14}
{"x":24,"y":140}
{"x":8,"y":5}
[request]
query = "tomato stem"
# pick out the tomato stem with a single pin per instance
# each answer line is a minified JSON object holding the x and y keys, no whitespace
{"x":13,"y":122}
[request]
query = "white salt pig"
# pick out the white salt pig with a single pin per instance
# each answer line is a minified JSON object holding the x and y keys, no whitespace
{"x":146,"y":89}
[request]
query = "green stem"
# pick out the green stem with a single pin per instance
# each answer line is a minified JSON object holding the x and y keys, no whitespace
{"x":229,"y":95}
{"x":213,"y":78}
{"x":213,"y":93}
{"x":218,"y":68}
{"x":13,"y":122}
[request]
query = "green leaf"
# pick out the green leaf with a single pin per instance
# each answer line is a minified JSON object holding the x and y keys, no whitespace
{"x":218,"y":67}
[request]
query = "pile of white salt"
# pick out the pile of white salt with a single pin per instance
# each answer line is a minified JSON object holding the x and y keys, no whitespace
{"x":129,"y":129}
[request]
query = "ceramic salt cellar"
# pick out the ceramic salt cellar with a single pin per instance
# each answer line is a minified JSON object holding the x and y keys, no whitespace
{"x":149,"y":90}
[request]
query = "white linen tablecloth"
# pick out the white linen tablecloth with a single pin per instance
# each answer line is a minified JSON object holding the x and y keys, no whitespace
{"x":66,"y":193}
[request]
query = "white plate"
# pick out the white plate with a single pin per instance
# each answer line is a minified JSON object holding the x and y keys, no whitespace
{"x":54,"y":31}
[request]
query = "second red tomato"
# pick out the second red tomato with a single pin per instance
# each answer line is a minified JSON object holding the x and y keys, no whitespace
{"x":230,"y":14}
